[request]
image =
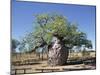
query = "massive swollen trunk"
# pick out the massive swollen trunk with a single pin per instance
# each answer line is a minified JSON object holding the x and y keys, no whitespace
{"x":57,"y":54}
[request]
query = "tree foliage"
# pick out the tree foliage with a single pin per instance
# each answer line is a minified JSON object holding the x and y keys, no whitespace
{"x":48,"y":25}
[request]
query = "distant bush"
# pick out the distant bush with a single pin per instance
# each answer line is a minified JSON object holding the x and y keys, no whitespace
{"x":85,"y":53}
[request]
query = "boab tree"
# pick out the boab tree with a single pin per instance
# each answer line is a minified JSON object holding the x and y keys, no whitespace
{"x":54,"y":33}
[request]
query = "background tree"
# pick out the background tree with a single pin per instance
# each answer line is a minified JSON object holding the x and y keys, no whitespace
{"x":29,"y":44}
{"x":14,"y":43}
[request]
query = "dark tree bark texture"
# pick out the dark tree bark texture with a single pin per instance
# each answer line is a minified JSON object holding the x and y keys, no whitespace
{"x":58,"y":53}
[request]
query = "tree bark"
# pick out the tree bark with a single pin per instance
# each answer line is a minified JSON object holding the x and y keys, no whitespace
{"x":58,"y":53}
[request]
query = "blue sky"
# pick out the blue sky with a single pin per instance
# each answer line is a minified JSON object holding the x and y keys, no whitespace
{"x":23,"y":17}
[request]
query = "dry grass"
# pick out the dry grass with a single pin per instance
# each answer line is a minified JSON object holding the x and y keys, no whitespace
{"x":36,"y":56}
